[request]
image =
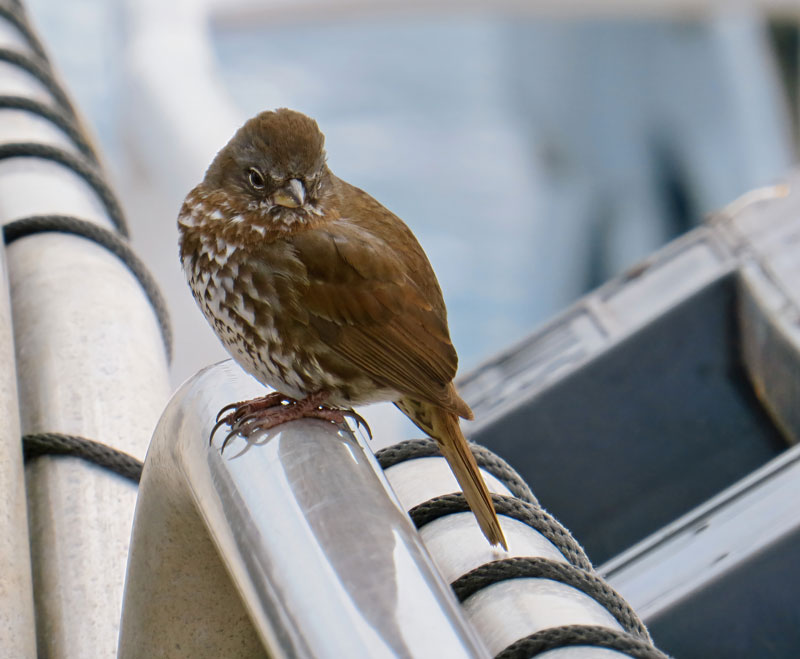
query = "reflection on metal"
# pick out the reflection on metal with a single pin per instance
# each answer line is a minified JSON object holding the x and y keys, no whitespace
{"x":17,"y":628}
{"x":90,"y":362}
{"x":767,"y":193}
{"x":289,"y":546}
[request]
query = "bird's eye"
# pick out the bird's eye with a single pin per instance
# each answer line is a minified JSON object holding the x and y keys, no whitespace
{"x":256,"y":178}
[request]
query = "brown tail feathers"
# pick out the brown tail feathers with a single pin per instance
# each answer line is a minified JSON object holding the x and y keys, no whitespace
{"x":443,"y":426}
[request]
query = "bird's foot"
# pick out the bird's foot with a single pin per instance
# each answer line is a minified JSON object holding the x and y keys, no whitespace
{"x":261,"y":414}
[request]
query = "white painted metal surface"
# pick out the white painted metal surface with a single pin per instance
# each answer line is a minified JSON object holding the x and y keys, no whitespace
{"x":509,"y":610}
{"x":17,"y":624}
{"x":90,"y":362}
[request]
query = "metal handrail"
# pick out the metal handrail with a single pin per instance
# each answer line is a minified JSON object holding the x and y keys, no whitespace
{"x":290,"y":545}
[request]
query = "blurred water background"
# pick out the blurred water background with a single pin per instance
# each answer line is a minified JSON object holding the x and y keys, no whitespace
{"x":535,"y":155}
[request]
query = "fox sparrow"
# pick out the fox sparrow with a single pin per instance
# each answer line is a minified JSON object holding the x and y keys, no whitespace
{"x":321,"y":293}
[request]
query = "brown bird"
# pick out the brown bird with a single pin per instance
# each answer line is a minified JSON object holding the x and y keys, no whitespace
{"x":320,"y":292}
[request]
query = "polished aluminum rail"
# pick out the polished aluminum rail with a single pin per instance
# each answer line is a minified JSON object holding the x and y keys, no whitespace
{"x":292,"y":544}
{"x":289,"y":545}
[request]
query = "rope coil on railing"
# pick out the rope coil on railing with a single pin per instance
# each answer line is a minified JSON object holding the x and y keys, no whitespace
{"x":17,"y":18}
{"x":102,"y":455}
{"x":85,"y":164}
{"x":530,"y":514}
{"x":424,"y":448}
{"x":580,"y":635}
{"x":89,"y":357}
{"x":112,"y":242}
{"x":40,"y":70}
{"x":56,"y":116}
{"x":576,"y":573}
{"x":543,"y":568}
{"x":84,"y":168}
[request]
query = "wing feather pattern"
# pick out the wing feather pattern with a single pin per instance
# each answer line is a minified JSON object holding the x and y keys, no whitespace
{"x":367,"y":307}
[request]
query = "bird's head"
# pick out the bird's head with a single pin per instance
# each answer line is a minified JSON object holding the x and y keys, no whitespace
{"x":273,"y":171}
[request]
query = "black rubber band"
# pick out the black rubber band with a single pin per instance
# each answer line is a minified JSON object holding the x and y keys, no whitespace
{"x":39,"y":69}
{"x":586,"y":635}
{"x":544,"y":568}
{"x":495,"y":465}
{"x":52,"y":443}
{"x":108,"y":239}
{"x":522,"y":511}
{"x":16,"y":16}
{"x":56,"y":116}
{"x":81,"y":166}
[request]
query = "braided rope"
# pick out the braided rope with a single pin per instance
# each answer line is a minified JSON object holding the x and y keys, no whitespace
{"x":572,"y":635}
{"x":16,"y":16}
{"x":495,"y":465}
{"x":62,"y":115}
{"x":544,"y":568}
{"x":112,"y":242}
{"x":39,"y":69}
{"x":578,"y":573}
{"x":81,"y":166}
{"x":54,"y":443}
{"x":56,"y":116}
{"x":522,"y":511}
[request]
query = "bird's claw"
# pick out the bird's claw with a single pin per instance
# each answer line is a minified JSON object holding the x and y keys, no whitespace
{"x":246,"y":417}
{"x":359,"y":420}
{"x":232,"y":406}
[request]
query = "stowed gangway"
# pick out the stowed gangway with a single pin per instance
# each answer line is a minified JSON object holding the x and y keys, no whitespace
{"x":659,"y":416}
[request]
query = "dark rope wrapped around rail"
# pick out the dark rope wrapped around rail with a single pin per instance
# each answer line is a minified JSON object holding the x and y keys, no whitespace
{"x":40,"y":70}
{"x":54,"y":443}
{"x":544,"y":568}
{"x":78,"y":164}
{"x":574,"y":635}
{"x":522,"y":511}
{"x":577,"y":572}
{"x":112,"y":242}
{"x":16,"y":16}
{"x":61,"y":114}
{"x":492,"y":463}
{"x":56,"y":116}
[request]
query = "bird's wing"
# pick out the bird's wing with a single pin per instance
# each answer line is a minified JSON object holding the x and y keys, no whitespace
{"x":368,"y":309}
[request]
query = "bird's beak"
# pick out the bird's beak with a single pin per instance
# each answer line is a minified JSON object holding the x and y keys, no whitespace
{"x":291,"y":195}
